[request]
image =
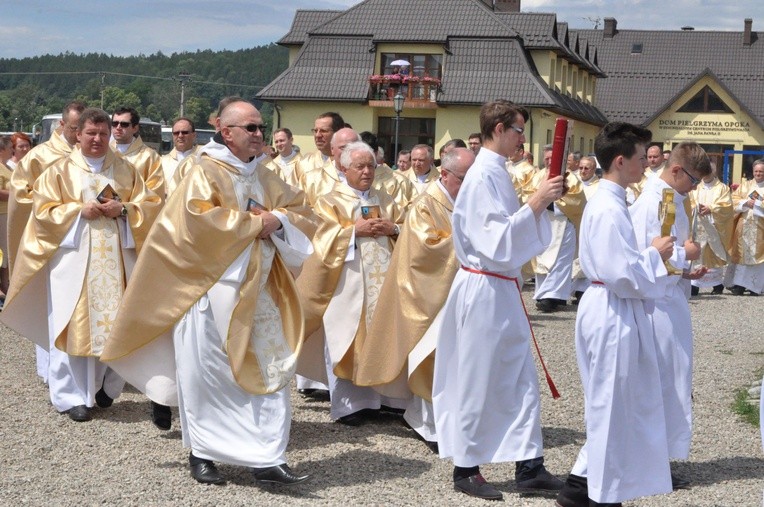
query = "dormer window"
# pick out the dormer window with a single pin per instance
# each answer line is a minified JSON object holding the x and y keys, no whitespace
{"x":636,"y":49}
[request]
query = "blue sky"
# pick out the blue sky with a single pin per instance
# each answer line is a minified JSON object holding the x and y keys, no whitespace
{"x":37,"y":27}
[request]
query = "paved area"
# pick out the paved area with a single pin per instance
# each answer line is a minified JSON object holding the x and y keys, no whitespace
{"x":119,"y":458}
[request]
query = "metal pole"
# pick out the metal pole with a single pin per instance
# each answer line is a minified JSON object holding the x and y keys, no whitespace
{"x":182,"y":96}
{"x":397,"y":123}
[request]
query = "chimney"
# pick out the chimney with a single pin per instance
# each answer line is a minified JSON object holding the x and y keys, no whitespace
{"x":610,"y":28}
{"x":747,"y":39}
{"x":506,"y":5}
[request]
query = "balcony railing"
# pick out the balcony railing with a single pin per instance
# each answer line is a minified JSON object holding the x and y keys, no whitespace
{"x":421,"y":91}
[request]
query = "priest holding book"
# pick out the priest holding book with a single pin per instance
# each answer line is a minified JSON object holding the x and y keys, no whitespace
{"x":91,"y":213}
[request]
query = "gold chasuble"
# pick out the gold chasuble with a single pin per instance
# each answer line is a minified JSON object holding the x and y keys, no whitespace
{"x":416,"y":286}
{"x":328,"y":272}
{"x":58,"y":242}
{"x":287,"y":170}
{"x":748,"y":241}
{"x":714,"y":231}
{"x":26,"y":173}
{"x":394,"y":184}
{"x":147,"y":162}
{"x":203,"y":228}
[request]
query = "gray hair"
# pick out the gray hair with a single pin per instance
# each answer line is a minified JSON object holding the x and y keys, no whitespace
{"x":350,"y":148}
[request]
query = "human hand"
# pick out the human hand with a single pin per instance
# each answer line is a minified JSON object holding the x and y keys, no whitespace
{"x":110,"y":208}
{"x":384,"y":227}
{"x":704,"y":210}
{"x":549,"y":191}
{"x":271,"y":223}
{"x":365,"y":227}
{"x":691,"y":250}
{"x":91,"y":210}
{"x":664,"y":245}
{"x":696,"y":273}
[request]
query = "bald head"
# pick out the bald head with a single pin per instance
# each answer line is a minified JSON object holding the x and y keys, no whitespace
{"x":235,"y":119}
{"x":340,"y":139}
{"x":453,"y":169}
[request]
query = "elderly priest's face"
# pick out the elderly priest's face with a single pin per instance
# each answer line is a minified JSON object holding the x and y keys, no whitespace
{"x":360,"y":173}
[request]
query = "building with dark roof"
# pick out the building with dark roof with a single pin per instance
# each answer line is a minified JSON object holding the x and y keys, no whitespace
{"x":684,"y":85}
{"x":461,"y":54}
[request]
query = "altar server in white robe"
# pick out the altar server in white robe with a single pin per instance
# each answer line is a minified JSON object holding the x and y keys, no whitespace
{"x":90,"y":214}
{"x":214,"y":272}
{"x":686,"y":167}
{"x":626,"y":453}
{"x":485,"y":391}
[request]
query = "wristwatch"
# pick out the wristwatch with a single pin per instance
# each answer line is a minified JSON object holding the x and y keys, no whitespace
{"x":396,"y":230}
{"x":124,"y":211}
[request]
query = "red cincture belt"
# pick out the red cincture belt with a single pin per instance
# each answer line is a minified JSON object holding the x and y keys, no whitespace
{"x":549,"y":381}
{"x":597,"y":282}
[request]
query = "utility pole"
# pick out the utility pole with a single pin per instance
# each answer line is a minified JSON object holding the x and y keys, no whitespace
{"x":183,"y":76}
{"x":103,"y":87}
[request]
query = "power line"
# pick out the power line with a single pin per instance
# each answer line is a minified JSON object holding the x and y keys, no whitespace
{"x":124,"y":74}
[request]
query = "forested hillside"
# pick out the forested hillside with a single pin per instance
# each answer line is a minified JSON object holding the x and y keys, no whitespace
{"x":33,"y":87}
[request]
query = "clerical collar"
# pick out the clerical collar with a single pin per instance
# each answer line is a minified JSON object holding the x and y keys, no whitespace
{"x":443,"y":188}
{"x":288,"y":157}
{"x":589,"y":181}
{"x":223,"y":153}
{"x":122,"y":148}
{"x":422,"y":177}
{"x":183,"y":154}
{"x":710,"y":184}
{"x":362,"y":194}
{"x":759,"y":184}
{"x":95,"y":164}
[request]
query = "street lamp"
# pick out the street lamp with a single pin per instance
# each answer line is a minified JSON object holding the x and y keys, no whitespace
{"x":398,"y":108}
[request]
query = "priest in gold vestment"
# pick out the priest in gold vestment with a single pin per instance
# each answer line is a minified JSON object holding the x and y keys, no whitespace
{"x":91,"y":213}
{"x":42,"y":156}
{"x":213,"y":304}
{"x":747,"y":251}
{"x":128,"y":143}
{"x":714,"y":214}
{"x":184,"y":146}
{"x":286,"y":163}
{"x":422,"y":171}
{"x":339,"y":284}
{"x":398,"y":355}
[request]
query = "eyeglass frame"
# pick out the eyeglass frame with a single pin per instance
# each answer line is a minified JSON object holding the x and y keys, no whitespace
{"x":252,"y":127}
{"x":183,"y":132}
{"x":123,"y":124}
{"x":695,"y":181}
{"x":460,"y":178}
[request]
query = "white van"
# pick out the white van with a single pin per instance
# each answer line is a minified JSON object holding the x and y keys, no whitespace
{"x":150,"y":131}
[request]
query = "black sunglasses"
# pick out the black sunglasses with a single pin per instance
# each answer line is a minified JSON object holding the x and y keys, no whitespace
{"x":251,"y":127}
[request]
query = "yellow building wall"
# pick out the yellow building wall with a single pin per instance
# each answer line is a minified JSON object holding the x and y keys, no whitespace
{"x":299,"y":117}
{"x":737,"y":129}
{"x":539,"y":131}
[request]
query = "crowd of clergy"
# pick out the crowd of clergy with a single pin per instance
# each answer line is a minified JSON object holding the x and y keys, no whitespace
{"x":211,"y":277}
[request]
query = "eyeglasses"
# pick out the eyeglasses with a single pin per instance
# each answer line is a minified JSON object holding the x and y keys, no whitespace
{"x":123,"y":124}
{"x":321,"y":131}
{"x":251,"y":127}
{"x":181,"y":132}
{"x":519,"y":130}
{"x":460,"y":178}
{"x":695,"y":181}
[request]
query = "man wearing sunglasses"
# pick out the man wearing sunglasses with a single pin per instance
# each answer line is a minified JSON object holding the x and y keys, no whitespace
{"x":214,"y":272}
{"x":184,"y":145}
{"x":127,"y":142}
{"x":683,"y":172}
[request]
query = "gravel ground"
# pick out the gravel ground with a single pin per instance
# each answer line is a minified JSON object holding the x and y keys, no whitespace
{"x":119,"y":458}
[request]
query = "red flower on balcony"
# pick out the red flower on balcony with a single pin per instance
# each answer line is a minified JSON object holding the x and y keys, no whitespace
{"x":375,"y":79}
{"x":431,"y":80}
{"x":411,"y":79}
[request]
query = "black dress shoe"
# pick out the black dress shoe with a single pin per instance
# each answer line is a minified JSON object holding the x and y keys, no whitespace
{"x":531,"y":476}
{"x":102,"y":399}
{"x":546,"y":305}
{"x":476,"y":486}
{"x":80,"y":413}
{"x":306,"y":392}
{"x":354,"y":419}
{"x":205,"y":471}
{"x":679,"y":482}
{"x":279,"y":474}
{"x":737,"y":290}
{"x":433,"y":446}
{"x":575,"y":492}
{"x":161,"y":416}
{"x":694,"y":290}
{"x":718,"y":289}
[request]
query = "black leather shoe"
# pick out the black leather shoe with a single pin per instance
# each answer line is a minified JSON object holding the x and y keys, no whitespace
{"x":546,"y":305}
{"x":539,"y":480}
{"x":737,"y":290}
{"x":279,"y":474}
{"x":575,"y":492}
{"x":718,"y":289}
{"x":433,"y":446}
{"x":694,"y":291}
{"x":161,"y":416}
{"x":102,"y":399}
{"x":476,"y":486}
{"x":306,"y":392}
{"x":80,"y":413}
{"x":679,"y":482}
{"x":206,"y":472}
{"x":354,"y":419}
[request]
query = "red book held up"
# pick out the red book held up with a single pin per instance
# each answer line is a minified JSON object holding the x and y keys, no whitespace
{"x":559,"y":148}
